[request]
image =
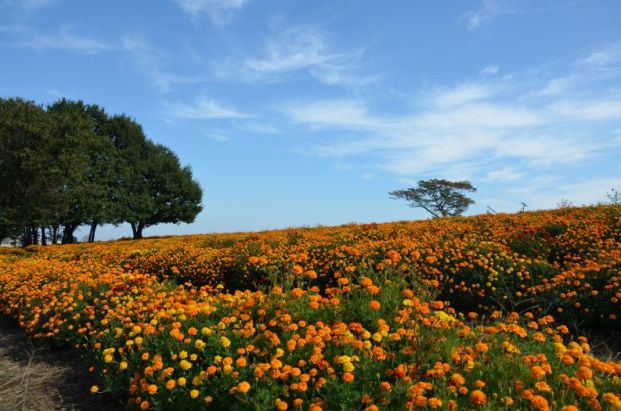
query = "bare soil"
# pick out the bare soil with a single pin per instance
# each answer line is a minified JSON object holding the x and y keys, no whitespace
{"x":37,"y":377}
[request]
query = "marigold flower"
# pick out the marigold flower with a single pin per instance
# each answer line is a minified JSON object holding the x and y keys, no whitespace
{"x":243,"y":387}
{"x":374,"y":305}
{"x":478,"y":397}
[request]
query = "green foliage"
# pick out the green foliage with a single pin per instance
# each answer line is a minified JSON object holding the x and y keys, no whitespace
{"x":441,"y":198}
{"x":73,"y":165}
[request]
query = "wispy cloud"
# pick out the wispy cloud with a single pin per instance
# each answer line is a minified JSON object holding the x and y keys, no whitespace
{"x":476,"y":124}
{"x":27,"y":6}
{"x":202,"y":109}
{"x":302,"y":49}
{"x":153,"y":63}
{"x":462,"y":93}
{"x":489,"y":10}
{"x":605,"y":56}
{"x":63,"y":40}
{"x":504,"y":174}
{"x":220,"y":12}
{"x":490,"y":70}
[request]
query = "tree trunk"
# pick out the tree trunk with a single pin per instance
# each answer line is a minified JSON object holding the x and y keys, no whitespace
{"x":54,"y":233}
{"x":139,"y":231}
{"x":68,"y":234}
{"x":91,"y":234}
{"x":35,"y":234}
{"x":133,"y":230}
{"x":43,"y":239}
{"x":27,"y":237}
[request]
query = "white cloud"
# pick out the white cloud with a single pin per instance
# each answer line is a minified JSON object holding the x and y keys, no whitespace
{"x":463,"y":93}
{"x":301,"y":49}
{"x":469,"y":129}
{"x":490,"y":70}
{"x":153,"y":64}
{"x":293,"y":49}
{"x":64,"y":40}
{"x":593,"y":109}
{"x":547,"y":194}
{"x":202,"y":109}
{"x":607,"y":55}
{"x":28,"y":6}
{"x":486,"y":13}
{"x":504,"y":174}
{"x":348,"y":113}
{"x":489,"y":10}
{"x":220,"y":12}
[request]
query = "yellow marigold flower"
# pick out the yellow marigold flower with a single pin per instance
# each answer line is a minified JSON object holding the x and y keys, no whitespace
{"x":206,"y":331}
{"x":181,"y":381}
{"x":94,"y":389}
{"x":123,"y":365}
{"x":108,"y":358}
{"x":185,"y":365}
{"x":199,"y":344}
{"x":434,"y":403}
{"x":194,"y":393}
{"x":225,"y":342}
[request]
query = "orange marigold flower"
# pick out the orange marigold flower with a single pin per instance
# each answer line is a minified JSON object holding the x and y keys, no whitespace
{"x":281,"y":405}
{"x":584,"y":373}
{"x":374,"y":305}
{"x":243,"y":387}
{"x":539,"y":403}
{"x":457,"y":380}
{"x":478,"y":397}
{"x":537,"y":372}
{"x":434,"y":402}
{"x":348,"y":377}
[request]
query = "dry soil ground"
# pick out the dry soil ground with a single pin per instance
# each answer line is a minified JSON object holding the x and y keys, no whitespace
{"x":35,"y":376}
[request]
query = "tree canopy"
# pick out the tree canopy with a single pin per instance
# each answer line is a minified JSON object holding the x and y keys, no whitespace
{"x":440,"y":198}
{"x":71,"y":164}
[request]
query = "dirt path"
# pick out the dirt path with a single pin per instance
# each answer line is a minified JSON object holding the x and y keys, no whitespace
{"x":37,"y":377}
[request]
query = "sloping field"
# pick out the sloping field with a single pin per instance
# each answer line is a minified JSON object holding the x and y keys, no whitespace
{"x":457,"y":313}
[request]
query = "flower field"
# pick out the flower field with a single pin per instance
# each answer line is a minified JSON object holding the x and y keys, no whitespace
{"x":459,"y":313}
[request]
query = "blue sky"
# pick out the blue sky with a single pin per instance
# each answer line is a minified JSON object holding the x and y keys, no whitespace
{"x":297,"y":113}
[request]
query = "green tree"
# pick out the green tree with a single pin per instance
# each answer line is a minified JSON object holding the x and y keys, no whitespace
{"x":440,"y":198}
{"x":77,"y":148}
{"x":153,"y":187}
{"x":26,"y":177}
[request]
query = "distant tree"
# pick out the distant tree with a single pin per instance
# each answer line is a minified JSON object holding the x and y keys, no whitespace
{"x":614,"y":196}
{"x":565,"y":203}
{"x":440,"y":198}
